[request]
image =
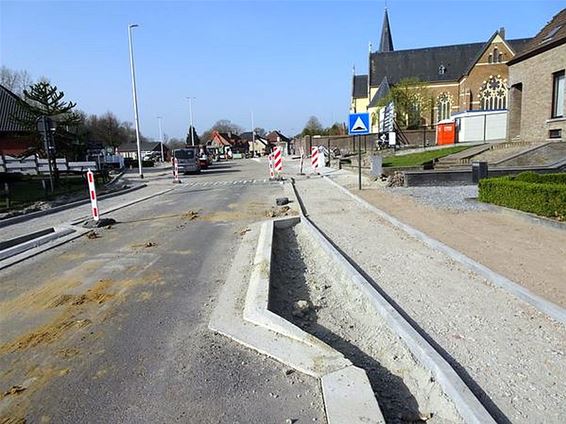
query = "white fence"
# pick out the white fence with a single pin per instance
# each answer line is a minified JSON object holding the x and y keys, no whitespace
{"x":32,"y":165}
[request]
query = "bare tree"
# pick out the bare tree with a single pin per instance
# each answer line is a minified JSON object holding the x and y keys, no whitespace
{"x":15,"y":81}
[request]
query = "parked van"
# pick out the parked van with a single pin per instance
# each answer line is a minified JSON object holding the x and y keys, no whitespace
{"x":187,"y":159}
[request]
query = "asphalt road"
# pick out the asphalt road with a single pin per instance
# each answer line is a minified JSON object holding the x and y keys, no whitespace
{"x":114,"y":328}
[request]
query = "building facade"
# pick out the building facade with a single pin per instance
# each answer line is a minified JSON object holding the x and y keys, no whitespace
{"x":537,"y":86}
{"x":458,"y":78}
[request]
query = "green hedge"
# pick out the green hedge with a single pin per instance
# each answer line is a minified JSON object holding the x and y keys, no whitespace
{"x":546,"y":198}
{"x":533,"y":177}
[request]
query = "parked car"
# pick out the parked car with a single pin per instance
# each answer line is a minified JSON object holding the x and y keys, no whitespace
{"x":187,"y":159}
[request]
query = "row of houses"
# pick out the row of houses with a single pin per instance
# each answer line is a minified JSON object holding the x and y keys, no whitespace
{"x":524,"y":76}
{"x":249,"y":142}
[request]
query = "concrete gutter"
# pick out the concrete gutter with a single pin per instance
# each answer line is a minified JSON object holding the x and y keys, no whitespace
{"x":347,"y":393}
{"x":552,"y":310}
{"x":22,"y":218}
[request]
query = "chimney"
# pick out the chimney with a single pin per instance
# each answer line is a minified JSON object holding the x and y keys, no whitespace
{"x":502,"y":32}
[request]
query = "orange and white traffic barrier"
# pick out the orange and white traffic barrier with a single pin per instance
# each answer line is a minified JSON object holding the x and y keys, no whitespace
{"x":175,"y":170}
{"x":92,"y":192}
{"x":315,"y":159}
{"x":271,"y":171}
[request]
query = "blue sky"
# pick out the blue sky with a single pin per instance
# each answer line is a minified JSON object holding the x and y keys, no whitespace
{"x":285,"y":60}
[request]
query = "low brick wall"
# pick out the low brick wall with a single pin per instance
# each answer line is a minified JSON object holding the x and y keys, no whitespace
{"x":464,"y":177}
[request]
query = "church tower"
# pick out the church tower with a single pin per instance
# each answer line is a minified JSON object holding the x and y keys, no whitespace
{"x":386,"y":43}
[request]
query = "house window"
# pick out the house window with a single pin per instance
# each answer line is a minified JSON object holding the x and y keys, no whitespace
{"x":558,"y":95}
{"x":557,"y":133}
{"x":551,"y":34}
{"x":444,"y":106}
{"x":493,"y":93}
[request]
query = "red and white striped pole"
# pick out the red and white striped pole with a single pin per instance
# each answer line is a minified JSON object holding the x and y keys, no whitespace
{"x":278,"y":160}
{"x":315,"y":159}
{"x":270,"y":161}
{"x":92,"y":192}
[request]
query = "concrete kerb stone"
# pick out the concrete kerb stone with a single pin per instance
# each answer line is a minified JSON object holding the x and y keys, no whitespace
{"x":550,"y":309}
{"x":347,"y":398}
{"x":227,"y":319}
{"x":467,"y":405}
{"x":347,"y":393}
{"x":35,"y":242}
{"x":22,"y":218}
{"x":32,"y":248}
{"x":256,"y":308}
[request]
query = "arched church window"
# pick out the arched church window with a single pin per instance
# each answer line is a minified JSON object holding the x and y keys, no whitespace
{"x":490,"y":58}
{"x":443,"y":106}
{"x":495,"y":55}
{"x":493,"y":93}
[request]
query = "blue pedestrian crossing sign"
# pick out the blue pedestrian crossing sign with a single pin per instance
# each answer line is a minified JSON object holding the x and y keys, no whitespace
{"x":359,"y":123}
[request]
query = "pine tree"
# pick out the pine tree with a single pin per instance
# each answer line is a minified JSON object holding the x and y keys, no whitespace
{"x":43,"y":99}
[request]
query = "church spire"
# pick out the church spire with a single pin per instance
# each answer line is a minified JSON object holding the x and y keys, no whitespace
{"x":386,"y":43}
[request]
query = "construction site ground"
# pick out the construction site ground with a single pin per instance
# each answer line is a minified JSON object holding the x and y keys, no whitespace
{"x":509,"y":353}
{"x":522,"y":250}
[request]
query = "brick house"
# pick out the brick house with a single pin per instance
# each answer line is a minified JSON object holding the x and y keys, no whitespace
{"x":14,"y":138}
{"x":229,"y":139}
{"x":537,"y":81}
{"x":460,"y":78}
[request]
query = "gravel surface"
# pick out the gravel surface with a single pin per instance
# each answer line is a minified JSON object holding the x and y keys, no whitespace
{"x":462,"y":198}
{"x":309,"y":290}
{"x":511,"y":355}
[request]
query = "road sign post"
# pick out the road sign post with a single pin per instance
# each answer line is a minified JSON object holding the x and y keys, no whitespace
{"x":359,"y":164}
{"x":359,"y":125}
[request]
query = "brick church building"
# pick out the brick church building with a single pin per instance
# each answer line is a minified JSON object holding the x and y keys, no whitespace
{"x":459,"y":78}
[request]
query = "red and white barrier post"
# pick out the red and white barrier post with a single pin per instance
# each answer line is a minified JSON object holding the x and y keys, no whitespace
{"x":92,"y":192}
{"x":278,"y":161}
{"x":175,"y":170}
{"x":315,"y":159}
{"x":271,"y":171}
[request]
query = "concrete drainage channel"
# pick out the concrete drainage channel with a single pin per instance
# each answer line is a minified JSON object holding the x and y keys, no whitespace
{"x":315,"y":288}
{"x":305,"y":305}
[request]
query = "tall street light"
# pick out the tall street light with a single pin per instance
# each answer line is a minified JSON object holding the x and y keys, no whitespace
{"x":253,"y":134}
{"x":191,"y":128}
{"x":159,"y":119}
{"x":135,"y":96}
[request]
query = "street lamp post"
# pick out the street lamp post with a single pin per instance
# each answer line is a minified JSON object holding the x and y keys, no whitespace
{"x":135,"y":96}
{"x":253,"y":135}
{"x":191,"y":128}
{"x":159,"y":119}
